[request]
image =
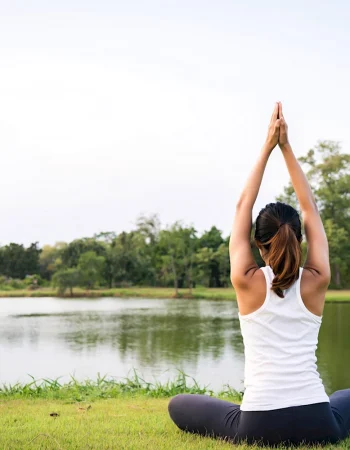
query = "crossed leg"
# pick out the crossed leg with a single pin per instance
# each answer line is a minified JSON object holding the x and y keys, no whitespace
{"x":340,"y":405}
{"x":207,"y":416}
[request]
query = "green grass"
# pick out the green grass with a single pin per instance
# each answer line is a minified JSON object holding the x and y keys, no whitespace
{"x":102,"y":414}
{"x":155,"y":292}
{"x":106,"y":388}
{"x":125,"y":423}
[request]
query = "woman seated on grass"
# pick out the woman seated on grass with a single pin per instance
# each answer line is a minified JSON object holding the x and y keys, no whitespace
{"x":280,"y":312}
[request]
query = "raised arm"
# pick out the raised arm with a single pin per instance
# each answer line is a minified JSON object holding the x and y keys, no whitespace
{"x":317,"y":261}
{"x":243,"y":265}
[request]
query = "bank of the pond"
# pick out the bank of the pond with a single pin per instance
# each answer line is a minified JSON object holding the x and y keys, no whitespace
{"x":106,"y":388}
{"x":100,"y":415}
{"x":153,"y":292}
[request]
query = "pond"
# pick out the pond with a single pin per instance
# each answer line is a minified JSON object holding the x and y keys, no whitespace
{"x":50,"y":338}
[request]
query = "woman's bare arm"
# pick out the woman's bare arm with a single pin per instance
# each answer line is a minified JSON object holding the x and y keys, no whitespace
{"x":241,"y":257}
{"x":317,"y":261}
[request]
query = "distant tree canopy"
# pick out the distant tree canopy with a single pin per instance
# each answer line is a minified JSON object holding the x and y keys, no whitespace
{"x":177,"y":255}
{"x":16,"y":261}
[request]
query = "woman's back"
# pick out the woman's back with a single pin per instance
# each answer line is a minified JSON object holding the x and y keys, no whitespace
{"x":280,"y":340}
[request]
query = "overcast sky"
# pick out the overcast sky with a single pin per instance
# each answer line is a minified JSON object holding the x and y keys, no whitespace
{"x":112,"y":110}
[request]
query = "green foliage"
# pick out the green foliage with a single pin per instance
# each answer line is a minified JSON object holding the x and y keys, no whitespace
{"x":50,"y":259}
{"x":91,"y":268}
{"x":128,"y":260}
{"x":30,"y":282}
{"x":16,"y":261}
{"x":177,"y":246}
{"x":9,"y":284}
{"x":65,"y":279}
{"x":204,"y":258}
{"x":213,"y":240}
{"x":71,"y":253}
{"x":223,"y":265}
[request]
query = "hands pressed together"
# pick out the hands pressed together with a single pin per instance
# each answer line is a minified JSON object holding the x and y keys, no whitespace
{"x":278,"y":129}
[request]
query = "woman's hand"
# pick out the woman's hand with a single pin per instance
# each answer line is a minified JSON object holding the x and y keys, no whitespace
{"x":274,"y":130}
{"x":283,"y":137}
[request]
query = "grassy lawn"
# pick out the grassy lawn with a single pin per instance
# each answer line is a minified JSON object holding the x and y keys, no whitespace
{"x":154,"y":292}
{"x":101,"y":415}
{"x":122,"y":423}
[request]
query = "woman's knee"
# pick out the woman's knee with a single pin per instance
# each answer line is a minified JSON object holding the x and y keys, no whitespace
{"x":177,"y":408}
{"x":177,"y":404}
{"x":341,"y":394}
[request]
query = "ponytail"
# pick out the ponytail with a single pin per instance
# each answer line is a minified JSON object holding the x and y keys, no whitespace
{"x":284,"y":257}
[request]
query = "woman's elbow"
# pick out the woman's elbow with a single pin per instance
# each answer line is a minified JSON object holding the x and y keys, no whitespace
{"x":326,"y":277}
{"x":242,"y":203}
{"x":309,"y":207}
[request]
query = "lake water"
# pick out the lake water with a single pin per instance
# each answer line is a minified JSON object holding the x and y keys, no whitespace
{"x":48,"y":337}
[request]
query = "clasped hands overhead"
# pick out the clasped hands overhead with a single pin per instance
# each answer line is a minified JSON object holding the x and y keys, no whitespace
{"x":278,"y":129}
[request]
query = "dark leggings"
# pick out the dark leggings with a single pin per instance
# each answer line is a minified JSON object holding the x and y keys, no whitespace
{"x":310,"y":424}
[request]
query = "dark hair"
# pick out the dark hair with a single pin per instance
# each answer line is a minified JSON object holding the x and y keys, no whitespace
{"x":278,"y":232}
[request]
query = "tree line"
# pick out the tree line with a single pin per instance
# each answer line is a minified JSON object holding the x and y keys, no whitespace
{"x":177,"y":255}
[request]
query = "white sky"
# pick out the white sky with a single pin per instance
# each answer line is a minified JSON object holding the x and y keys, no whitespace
{"x":112,"y":110}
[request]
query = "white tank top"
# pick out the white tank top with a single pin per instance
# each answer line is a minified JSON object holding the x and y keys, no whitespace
{"x":280,"y":341}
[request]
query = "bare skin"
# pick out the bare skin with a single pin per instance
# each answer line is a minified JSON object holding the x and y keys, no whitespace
{"x":248,"y":281}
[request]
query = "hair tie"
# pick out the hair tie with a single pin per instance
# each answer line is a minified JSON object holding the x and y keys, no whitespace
{"x":281,"y":224}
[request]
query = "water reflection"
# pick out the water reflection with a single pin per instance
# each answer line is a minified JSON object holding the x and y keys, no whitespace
{"x":58,"y":337}
{"x":334,"y":347}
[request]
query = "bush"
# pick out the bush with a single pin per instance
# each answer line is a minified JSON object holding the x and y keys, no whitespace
{"x":65,"y":279}
{"x":9,"y":284}
{"x":33,"y":281}
{"x":17,"y":284}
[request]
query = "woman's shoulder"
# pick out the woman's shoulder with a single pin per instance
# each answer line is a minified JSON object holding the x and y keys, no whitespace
{"x":312,"y":291}
{"x":253,"y":296}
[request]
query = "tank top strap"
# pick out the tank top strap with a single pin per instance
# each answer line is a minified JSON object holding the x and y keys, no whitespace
{"x":297,"y":284}
{"x":314,"y":317}
{"x":269,"y":276}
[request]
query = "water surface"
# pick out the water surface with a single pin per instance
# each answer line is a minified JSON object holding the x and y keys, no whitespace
{"x":48,"y":337}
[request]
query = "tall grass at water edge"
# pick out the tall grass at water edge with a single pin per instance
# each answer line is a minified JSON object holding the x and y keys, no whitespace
{"x":104,"y":387}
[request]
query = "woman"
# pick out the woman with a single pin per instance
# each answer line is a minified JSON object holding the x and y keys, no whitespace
{"x":280,"y":312}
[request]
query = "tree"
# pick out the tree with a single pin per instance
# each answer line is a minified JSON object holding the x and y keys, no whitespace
{"x":105,"y":236}
{"x":16,"y":261}
{"x":32,"y":255}
{"x":128,"y":260}
{"x":91,"y":268}
{"x":66,"y":279}
{"x":13,"y":261}
{"x":223,"y":259}
{"x":172,"y":248}
{"x":329,"y":176}
{"x":149,"y":227}
{"x":72,"y":252}
{"x":50,"y":259}
{"x":190,"y":245}
{"x":337,"y":239}
{"x":204,"y":258}
{"x":212,"y":239}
